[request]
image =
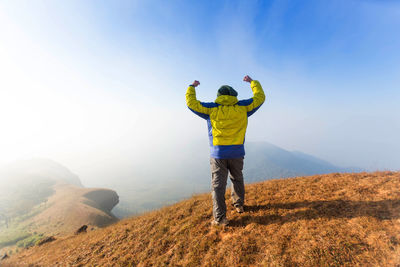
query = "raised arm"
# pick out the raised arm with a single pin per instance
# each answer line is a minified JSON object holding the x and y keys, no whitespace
{"x":254,"y":103}
{"x":195,"y":105}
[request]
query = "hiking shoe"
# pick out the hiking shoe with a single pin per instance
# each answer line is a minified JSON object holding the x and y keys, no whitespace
{"x":223,"y":222}
{"x":239,"y":209}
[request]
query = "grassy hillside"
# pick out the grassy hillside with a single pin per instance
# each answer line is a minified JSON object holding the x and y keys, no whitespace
{"x":67,"y":209}
{"x":322,"y":220}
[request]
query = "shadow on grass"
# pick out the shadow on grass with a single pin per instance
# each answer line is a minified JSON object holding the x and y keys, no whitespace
{"x":381,"y":210}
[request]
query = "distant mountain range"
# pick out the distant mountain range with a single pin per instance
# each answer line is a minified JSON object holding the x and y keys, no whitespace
{"x":267,"y":161}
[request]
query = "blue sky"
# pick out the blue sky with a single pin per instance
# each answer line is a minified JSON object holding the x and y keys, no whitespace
{"x":97,"y":79}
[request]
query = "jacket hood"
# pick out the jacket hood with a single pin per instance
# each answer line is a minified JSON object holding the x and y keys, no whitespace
{"x":226,"y":100}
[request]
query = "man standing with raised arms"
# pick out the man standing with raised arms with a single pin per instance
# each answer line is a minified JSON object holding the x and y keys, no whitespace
{"x":227,"y":123}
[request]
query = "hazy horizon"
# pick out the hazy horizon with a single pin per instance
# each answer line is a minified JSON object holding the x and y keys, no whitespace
{"x":99,"y":86}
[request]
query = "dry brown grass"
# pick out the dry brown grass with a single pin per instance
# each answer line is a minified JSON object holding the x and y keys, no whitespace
{"x":323,"y":220}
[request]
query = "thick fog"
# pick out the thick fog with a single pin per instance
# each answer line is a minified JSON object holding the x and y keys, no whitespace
{"x":106,"y":98}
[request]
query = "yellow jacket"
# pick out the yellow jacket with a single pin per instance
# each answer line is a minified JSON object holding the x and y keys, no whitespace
{"x":227,"y":120}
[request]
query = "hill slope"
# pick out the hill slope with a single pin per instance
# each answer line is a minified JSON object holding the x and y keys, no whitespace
{"x":40,"y":197}
{"x":70,"y":207}
{"x":323,"y":220}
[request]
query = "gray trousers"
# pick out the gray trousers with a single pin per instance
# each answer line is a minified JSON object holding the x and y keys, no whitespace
{"x":219,"y":177}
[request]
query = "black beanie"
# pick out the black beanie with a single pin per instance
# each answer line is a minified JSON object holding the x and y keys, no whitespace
{"x":226,"y":90}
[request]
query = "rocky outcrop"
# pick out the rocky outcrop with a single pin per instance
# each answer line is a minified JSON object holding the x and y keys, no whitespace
{"x":103,"y":199}
{"x":82,"y":229}
{"x":46,"y":240}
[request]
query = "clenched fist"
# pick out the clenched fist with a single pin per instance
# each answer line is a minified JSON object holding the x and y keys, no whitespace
{"x":195,"y":83}
{"x":247,"y":79}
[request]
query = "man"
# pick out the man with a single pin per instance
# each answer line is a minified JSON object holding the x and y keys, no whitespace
{"x":227,"y":123}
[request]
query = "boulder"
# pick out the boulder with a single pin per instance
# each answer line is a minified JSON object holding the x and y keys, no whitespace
{"x":46,"y":240}
{"x":82,"y":229}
